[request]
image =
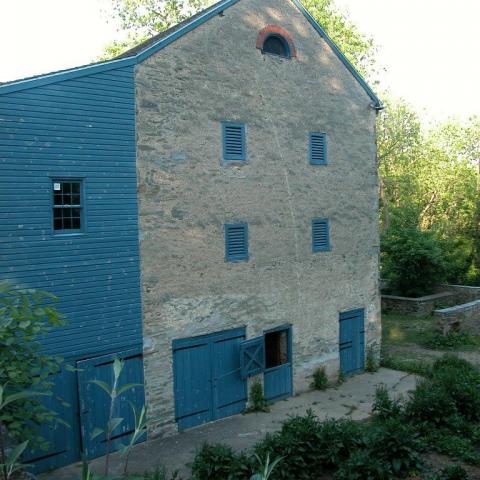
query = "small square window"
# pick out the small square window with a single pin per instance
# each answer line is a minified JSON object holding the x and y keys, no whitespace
{"x":67,"y":206}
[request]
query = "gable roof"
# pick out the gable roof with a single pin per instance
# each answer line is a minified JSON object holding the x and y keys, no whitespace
{"x":147,"y":48}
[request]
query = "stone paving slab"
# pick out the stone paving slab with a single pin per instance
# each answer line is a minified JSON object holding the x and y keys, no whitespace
{"x":352,"y":399}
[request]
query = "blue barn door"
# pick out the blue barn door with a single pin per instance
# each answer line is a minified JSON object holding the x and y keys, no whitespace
{"x":63,"y":438}
{"x":277,"y":377}
{"x":95,"y":402}
{"x":352,"y":341}
{"x":207,"y":379}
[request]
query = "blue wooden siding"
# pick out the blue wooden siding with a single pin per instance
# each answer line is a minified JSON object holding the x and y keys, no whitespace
{"x":80,"y":128}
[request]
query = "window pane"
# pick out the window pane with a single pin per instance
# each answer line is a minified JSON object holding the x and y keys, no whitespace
{"x":76,"y":187}
{"x":75,"y":199}
{"x":67,"y":223}
{"x":57,"y":198}
{"x":67,"y":199}
{"x":66,"y":187}
{"x":57,"y":224}
{"x":76,"y":223}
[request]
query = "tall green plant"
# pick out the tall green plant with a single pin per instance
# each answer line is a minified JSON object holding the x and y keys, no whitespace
{"x":113,"y":391}
{"x":26,"y":315}
{"x":139,"y":431}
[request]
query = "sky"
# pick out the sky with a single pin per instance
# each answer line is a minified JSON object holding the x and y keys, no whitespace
{"x":429,"y":48}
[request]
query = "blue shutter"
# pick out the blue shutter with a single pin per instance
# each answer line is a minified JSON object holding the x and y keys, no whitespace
{"x":252,"y":357}
{"x":317,"y":150}
{"x":236,"y":242}
{"x":320,"y":235}
{"x":234,"y":141}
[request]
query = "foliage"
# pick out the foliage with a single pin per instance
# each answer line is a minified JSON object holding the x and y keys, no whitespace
{"x":220,"y":462}
{"x":113,"y":391}
{"x":320,"y":379}
{"x":361,"y":465}
{"x":412,"y":260}
{"x":452,"y":341}
{"x":371,"y":364}
{"x":416,"y":367}
{"x":257,"y":400}
{"x":25,"y":316}
{"x":266,"y":468}
{"x":340,"y":377}
{"x":452,"y":472}
{"x":309,"y":446}
{"x":383,"y":406}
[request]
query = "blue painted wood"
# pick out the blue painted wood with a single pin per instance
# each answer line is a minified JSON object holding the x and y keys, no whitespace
{"x":320,"y":235}
{"x":82,"y":127}
{"x":352,"y":341}
{"x":95,"y":403}
{"x":64,"y":441}
{"x":207,"y":379}
{"x":236,"y":242}
{"x":317,"y":148}
{"x":252,"y":357}
{"x":278,"y":381}
{"x":234,"y":141}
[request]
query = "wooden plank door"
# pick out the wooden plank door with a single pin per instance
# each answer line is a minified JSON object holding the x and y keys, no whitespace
{"x":352,"y":341}
{"x":95,"y":403}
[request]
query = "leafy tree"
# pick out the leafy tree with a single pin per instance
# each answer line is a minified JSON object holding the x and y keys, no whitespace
{"x":25,"y":316}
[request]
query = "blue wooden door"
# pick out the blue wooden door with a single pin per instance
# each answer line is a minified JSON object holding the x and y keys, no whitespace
{"x":207,"y":379}
{"x":352,"y":341}
{"x":277,"y":378}
{"x":95,"y":402}
{"x":63,"y":440}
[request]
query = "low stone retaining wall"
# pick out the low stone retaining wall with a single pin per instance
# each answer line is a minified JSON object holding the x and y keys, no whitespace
{"x":419,"y":306}
{"x":465,"y":318}
{"x":463,"y":293}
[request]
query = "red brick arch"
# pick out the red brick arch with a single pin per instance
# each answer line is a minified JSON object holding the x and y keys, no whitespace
{"x":277,"y":30}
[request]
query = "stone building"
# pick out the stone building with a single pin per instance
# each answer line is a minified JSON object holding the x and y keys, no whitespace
{"x":205,"y":207}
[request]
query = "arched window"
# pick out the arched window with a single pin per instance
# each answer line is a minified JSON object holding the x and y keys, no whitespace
{"x":276,"y":45}
{"x":276,"y":40}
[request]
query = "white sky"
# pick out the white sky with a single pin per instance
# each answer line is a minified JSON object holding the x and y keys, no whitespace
{"x":430,"y":48}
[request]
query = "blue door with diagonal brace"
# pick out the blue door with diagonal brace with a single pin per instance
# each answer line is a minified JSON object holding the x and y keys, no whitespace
{"x":352,"y":341}
{"x":207,"y":377}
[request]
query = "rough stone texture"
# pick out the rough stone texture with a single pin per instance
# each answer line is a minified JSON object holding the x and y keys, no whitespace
{"x":464,"y":318}
{"x":186,"y":194}
{"x":463,"y":293}
{"x":419,"y":306}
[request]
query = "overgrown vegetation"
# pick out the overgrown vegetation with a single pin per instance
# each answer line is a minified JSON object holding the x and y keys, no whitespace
{"x":371,"y":362}
{"x":320,"y":379}
{"x":256,"y":399}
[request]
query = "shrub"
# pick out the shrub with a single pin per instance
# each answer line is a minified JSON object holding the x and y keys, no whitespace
{"x":220,"y":462}
{"x":411,"y":366}
{"x":309,"y":447}
{"x":258,"y":403}
{"x":362,"y":465}
{"x":412,"y":260}
{"x":383,"y":406}
{"x":451,"y":341}
{"x":396,"y":443}
{"x":320,"y":379}
{"x":371,"y":364}
{"x":453,"y":472}
{"x":26,"y":316}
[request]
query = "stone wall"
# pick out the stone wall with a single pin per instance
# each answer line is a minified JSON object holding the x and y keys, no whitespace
{"x":463,"y":293}
{"x":464,"y":318}
{"x":419,"y":306}
{"x":186,"y":194}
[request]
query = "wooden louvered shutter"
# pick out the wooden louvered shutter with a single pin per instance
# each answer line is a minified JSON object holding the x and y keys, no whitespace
{"x":320,"y":235}
{"x":234,"y":147}
{"x":318,"y":148}
{"x":236,"y":242}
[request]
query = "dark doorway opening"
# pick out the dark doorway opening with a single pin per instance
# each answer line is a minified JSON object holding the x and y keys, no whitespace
{"x":276,"y":348}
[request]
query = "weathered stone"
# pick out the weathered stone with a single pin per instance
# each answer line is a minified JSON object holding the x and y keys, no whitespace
{"x":212,"y":74}
{"x":465,"y":318}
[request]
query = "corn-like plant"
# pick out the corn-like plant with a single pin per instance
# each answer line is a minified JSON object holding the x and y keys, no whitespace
{"x":140,"y":429}
{"x":266,"y":468}
{"x":86,"y":472}
{"x":113,"y":392}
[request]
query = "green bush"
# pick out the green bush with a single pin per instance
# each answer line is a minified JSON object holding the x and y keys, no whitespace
{"x":309,"y":447}
{"x":451,"y":341}
{"x":220,"y":462}
{"x":383,"y":406}
{"x":26,"y":315}
{"x":453,"y":472}
{"x":257,"y":400}
{"x":320,"y":379}
{"x":412,"y":260}
{"x":362,"y":465}
{"x":396,"y":443}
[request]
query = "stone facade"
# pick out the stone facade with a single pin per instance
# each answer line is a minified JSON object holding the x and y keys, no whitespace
{"x":186,"y":195}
